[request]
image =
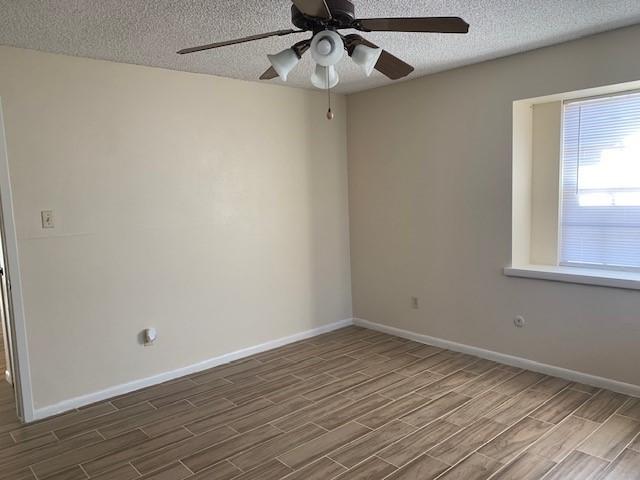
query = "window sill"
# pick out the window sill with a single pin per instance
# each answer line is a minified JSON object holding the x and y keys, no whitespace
{"x":584,"y":276}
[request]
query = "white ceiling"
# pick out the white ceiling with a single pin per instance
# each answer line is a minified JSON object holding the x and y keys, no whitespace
{"x":148,"y":32}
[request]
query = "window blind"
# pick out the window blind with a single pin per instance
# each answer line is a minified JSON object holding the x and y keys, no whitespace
{"x":600,"y":191}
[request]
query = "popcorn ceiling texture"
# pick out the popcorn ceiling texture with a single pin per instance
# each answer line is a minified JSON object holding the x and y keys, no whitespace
{"x":149,"y":32}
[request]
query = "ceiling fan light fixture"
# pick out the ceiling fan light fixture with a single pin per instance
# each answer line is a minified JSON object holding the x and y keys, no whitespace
{"x":284,"y":62}
{"x":322,"y":74}
{"x":324,"y":18}
{"x":366,"y":57}
{"x":327,"y":48}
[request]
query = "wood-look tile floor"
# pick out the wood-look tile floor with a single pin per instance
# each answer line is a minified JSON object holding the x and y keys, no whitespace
{"x":353,"y":404}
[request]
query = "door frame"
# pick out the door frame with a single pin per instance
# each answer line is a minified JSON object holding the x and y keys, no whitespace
{"x":16,"y":324}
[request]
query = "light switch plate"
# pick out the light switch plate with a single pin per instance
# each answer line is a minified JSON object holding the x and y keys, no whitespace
{"x":415,"y":303}
{"x":47,"y":218}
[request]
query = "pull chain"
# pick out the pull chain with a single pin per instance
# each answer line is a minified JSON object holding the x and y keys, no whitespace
{"x":329,"y":112}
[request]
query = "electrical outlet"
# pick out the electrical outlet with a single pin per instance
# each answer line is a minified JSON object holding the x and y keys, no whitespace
{"x":415,"y":304}
{"x":150,"y":335}
{"x":47,"y":218}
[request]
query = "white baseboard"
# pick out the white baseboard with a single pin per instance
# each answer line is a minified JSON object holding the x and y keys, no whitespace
{"x":116,"y":390}
{"x":574,"y":376}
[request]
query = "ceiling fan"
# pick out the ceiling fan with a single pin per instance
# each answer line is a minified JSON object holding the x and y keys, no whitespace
{"x":324,"y":18}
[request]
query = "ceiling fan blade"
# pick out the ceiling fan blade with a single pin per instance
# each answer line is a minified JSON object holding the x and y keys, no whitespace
{"x":392,"y":66}
{"x":388,"y":64}
{"x":313,"y":8}
{"x":269,"y":74}
{"x":278,"y":33}
{"x":300,"y":48}
{"x":417,"y":24}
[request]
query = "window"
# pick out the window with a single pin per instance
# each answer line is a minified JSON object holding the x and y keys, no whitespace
{"x":600,"y":183}
{"x":576,"y":187}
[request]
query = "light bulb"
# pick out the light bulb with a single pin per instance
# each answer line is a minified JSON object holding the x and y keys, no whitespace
{"x":324,"y":47}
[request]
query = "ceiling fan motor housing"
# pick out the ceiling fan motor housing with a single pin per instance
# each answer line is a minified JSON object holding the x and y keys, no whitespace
{"x":342,"y":12}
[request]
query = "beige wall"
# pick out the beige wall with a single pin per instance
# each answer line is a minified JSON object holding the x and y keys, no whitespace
{"x":545,"y":182}
{"x":521,"y":192}
{"x":430,"y":209}
{"x":212,"y":209}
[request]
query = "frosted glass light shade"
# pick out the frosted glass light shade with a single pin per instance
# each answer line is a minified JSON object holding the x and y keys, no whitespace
{"x":327,"y":48}
{"x":366,"y":57}
{"x":319,"y":77}
{"x":284,"y":62}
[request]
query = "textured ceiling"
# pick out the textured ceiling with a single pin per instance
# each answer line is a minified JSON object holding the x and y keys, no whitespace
{"x":148,"y":32}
